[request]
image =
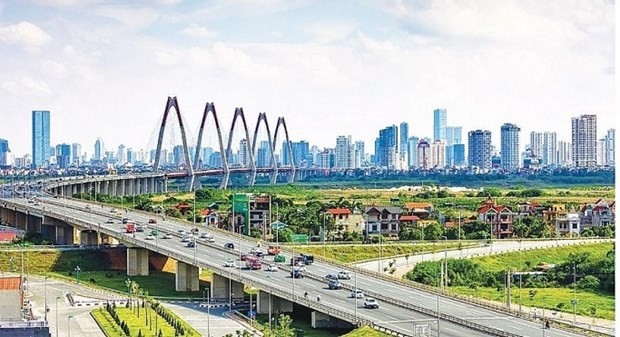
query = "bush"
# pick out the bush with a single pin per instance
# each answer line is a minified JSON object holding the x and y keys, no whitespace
{"x":589,"y":282}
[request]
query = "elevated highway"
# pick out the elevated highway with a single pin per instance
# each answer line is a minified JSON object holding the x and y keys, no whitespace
{"x":401,"y":306}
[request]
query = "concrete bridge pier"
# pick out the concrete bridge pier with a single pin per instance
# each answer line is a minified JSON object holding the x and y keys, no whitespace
{"x":20,"y":220}
{"x":137,"y":262}
{"x":89,"y":238}
{"x":108,"y":239}
{"x":186,"y":277}
{"x":33,"y":223}
{"x":278,"y":305}
{"x":224,"y":288}
{"x":152,"y":185}
{"x":321,"y":320}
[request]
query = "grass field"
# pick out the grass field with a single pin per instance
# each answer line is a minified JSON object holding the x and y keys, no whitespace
{"x":354,"y":253}
{"x":135,"y":323}
{"x":549,"y":298}
{"x":519,"y":261}
{"x":365,"y":332}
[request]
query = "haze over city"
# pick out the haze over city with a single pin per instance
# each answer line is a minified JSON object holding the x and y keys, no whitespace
{"x":105,"y":69}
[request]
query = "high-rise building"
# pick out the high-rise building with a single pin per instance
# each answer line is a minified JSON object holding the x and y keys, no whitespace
{"x":439,"y":124}
{"x":458,"y":153}
{"x":100,"y":150}
{"x":76,"y":152}
{"x":63,"y":155}
{"x":40,"y":138}
{"x":412,"y":151}
{"x":509,"y":134}
{"x":479,"y":149}
{"x":343,"y":152}
{"x":564,"y":154}
{"x":121,"y":155}
{"x":244,"y":154}
{"x":301,"y":153}
{"x":438,"y":154}
{"x":358,"y":154}
{"x":327,"y":158}
{"x":544,"y":147}
{"x":584,"y":141}
{"x":424,"y":154}
{"x":4,"y":152}
{"x":404,"y":136}
{"x":388,"y":147}
{"x":454,"y":135}
{"x":263,"y":154}
{"x":607,"y":152}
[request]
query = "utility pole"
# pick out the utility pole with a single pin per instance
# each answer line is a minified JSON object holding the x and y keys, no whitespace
{"x":574,"y":294}
{"x":508,"y":279}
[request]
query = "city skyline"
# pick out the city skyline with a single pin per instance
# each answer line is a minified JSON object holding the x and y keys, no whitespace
{"x":105,"y":70}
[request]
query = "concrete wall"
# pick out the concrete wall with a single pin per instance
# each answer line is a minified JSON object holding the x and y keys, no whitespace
{"x":278,"y":305}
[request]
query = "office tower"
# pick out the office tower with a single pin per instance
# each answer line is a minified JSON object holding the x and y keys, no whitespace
{"x":263,"y":154}
{"x":536,"y":144}
{"x":300,"y":153}
{"x":458,"y":155}
{"x":343,"y":152}
{"x":404,"y":136}
{"x":584,"y":141}
{"x":412,"y":151}
{"x":4,"y":152}
{"x":424,"y":154}
{"x":358,"y":154}
{"x":177,"y":156}
{"x":374,"y":159}
{"x":454,"y":135}
{"x":327,"y":158}
{"x":214,"y":159}
{"x":131,"y":156}
{"x":243,"y":153}
{"x":439,"y":124}
{"x":100,"y":150}
{"x":76,"y":151}
{"x":40,"y":138}
{"x":63,"y":155}
{"x":314,"y":153}
{"x":121,"y":155}
{"x":544,"y":147}
{"x":607,"y":149}
{"x":509,"y":134}
{"x":438,"y":154}
{"x":388,"y":145}
{"x":479,"y":149}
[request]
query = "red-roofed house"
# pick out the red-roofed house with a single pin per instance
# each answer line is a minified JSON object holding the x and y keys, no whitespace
{"x":499,"y":216}
{"x":346,"y":220}
{"x":601,"y":213}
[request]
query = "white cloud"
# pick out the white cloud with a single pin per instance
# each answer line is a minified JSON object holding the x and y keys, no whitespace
{"x":25,"y":34}
{"x":38,"y":85}
{"x":329,"y":32}
{"x":9,"y":86}
{"x":133,"y":18}
{"x":198,"y":31}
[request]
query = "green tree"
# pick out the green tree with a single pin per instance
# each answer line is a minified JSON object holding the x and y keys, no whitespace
{"x":433,"y":231}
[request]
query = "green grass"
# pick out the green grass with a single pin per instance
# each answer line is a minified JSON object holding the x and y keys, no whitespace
{"x":518,"y":261}
{"x":54,"y":260}
{"x":135,"y":323}
{"x":157,"y":283}
{"x":354,"y":253}
{"x":365,"y":331}
{"x":549,"y":298}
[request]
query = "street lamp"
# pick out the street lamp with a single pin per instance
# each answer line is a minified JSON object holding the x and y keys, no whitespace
{"x":323,"y":232}
{"x":77,"y":274}
{"x":57,"y":298}
{"x":69,"y":325}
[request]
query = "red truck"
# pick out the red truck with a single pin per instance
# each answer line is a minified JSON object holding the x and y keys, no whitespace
{"x":130,"y":227}
{"x":253,"y":262}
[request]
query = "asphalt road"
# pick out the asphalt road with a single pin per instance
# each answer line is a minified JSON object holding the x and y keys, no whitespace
{"x":388,"y":315}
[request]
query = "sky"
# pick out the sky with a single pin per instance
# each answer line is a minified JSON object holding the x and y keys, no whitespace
{"x":330,"y":68}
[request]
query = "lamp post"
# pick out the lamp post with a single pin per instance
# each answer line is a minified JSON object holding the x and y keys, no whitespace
{"x":69,"y":325}
{"x":520,"y":277}
{"x":77,"y":274}
{"x":57,"y":298}
{"x":45,"y":291}
{"x":323,"y":232}
{"x":208,"y":312}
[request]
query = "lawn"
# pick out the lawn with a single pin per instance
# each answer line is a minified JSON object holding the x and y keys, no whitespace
{"x":519,"y":261}
{"x":354,"y":253}
{"x":549,"y":298}
{"x":158,"y":284}
{"x":365,"y":331}
{"x":135,"y":323}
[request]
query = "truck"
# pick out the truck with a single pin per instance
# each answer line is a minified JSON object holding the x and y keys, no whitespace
{"x":304,"y":259}
{"x":130,"y":227}
{"x":253,"y":262}
{"x":273,"y":250}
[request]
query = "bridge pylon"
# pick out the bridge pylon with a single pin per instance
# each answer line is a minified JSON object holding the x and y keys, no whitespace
{"x":282,"y":122}
{"x":263,"y":117}
{"x":210,"y":109}
{"x":239,"y":113}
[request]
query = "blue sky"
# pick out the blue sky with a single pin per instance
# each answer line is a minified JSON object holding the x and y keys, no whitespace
{"x":105,"y":68}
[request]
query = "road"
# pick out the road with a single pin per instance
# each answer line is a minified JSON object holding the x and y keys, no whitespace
{"x":403,"y":265}
{"x":388,"y":315}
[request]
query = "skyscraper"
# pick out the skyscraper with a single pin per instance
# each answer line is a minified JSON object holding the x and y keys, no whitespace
{"x":454,"y":135}
{"x":358,"y":154}
{"x":439,"y":124}
{"x":404,"y":135}
{"x":584,"y":141}
{"x":564,"y":153}
{"x":4,"y":152}
{"x":509,"y":134}
{"x":412,"y":151}
{"x":607,"y":153}
{"x":40,"y":138}
{"x":63,"y":155}
{"x":76,"y":152}
{"x":388,"y":144}
{"x":479,"y":149}
{"x":343,"y":152}
{"x":438,"y":154}
{"x":100,"y":150}
{"x":544,"y":147}
{"x":424,"y":154}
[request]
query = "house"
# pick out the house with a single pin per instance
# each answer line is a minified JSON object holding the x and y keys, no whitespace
{"x":499,"y":216}
{"x":422,"y":210}
{"x":568,"y":223}
{"x":211,"y":217}
{"x":383,"y":220}
{"x":600,"y":213}
{"x":347,"y":221}
{"x":531,"y":208}
{"x":183,"y":207}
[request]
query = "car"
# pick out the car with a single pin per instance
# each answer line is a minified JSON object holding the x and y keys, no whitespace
{"x":297,"y":273}
{"x":259,"y":253}
{"x":186,"y":239}
{"x":272,"y":267}
{"x":204,"y":235}
{"x":181,"y":231}
{"x":229,"y":245}
{"x":371,"y":303}
{"x":110,"y":221}
{"x":167,"y":236}
{"x":149,"y":237}
{"x":209,"y":239}
{"x":139,"y":228}
{"x":152,"y":220}
{"x":87,"y":207}
{"x":344,"y":275}
{"x":229,"y":263}
{"x":190,"y":244}
{"x":334,"y":284}
{"x":36,"y":203}
{"x":357,"y":293}
{"x":279,"y":258}
{"x":331,"y":276}
{"x":243,"y":257}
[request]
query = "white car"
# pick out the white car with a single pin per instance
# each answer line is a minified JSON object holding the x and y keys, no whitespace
{"x":344,"y":275}
{"x":229,"y":263}
{"x":167,"y":236}
{"x":149,"y":237}
{"x":186,"y":239}
{"x":357,"y":293}
{"x":272,"y":267}
{"x":371,"y":303}
{"x":209,"y":239}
